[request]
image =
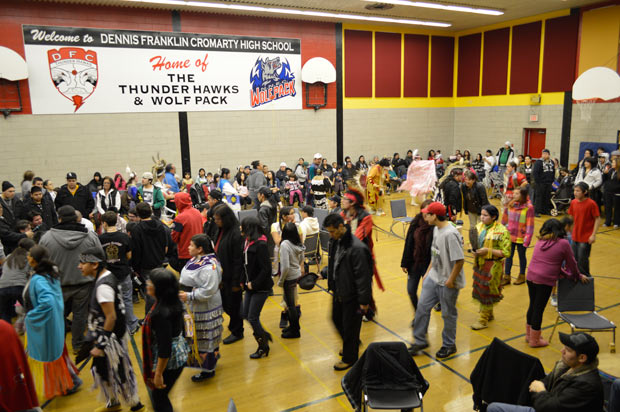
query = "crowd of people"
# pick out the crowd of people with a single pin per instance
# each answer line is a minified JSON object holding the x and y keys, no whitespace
{"x":92,"y":250}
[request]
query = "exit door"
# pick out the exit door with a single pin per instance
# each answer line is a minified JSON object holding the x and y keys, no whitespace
{"x":534,"y":141}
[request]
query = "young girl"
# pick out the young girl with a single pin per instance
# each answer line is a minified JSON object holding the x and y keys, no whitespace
{"x":200,"y":288}
{"x":291,"y":267}
{"x":294,"y":190}
{"x":187,"y":182}
{"x":519,"y":219}
{"x":201,"y":178}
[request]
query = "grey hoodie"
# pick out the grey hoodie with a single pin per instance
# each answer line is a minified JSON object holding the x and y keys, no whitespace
{"x":255,"y":181}
{"x":65,"y":247}
{"x":291,"y":259}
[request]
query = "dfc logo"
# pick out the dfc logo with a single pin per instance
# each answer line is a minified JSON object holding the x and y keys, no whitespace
{"x":74,"y":73}
{"x":270,"y":80}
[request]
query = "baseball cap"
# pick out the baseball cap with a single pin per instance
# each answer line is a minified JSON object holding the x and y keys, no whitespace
{"x":435,"y":208}
{"x":92,"y":255}
{"x":615,"y":153}
{"x":581,"y":343}
{"x":71,"y":175}
{"x":283,"y":164}
{"x":507,"y":143}
{"x":318,"y":156}
{"x":147,"y":175}
{"x":335,"y":198}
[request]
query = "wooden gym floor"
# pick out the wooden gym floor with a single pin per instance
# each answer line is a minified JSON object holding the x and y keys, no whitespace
{"x":298,"y":374}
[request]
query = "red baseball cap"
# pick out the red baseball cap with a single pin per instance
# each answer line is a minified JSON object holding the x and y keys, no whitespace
{"x":435,"y":208}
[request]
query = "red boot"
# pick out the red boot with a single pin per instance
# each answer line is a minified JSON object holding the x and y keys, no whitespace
{"x":535,"y":340}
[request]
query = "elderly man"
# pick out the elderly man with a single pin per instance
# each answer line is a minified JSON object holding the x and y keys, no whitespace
{"x":504,"y":155}
{"x":574,"y":384}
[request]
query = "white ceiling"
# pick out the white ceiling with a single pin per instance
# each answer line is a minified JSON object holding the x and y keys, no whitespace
{"x":460,"y":21}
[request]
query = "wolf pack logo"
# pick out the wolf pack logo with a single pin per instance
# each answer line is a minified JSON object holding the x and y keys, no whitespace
{"x":271,"y":80}
{"x":74,"y":73}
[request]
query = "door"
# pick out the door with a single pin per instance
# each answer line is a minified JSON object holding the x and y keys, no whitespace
{"x":534,"y":141}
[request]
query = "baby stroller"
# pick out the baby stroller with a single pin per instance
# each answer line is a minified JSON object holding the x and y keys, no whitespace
{"x":494,"y":183}
{"x":562,"y":196}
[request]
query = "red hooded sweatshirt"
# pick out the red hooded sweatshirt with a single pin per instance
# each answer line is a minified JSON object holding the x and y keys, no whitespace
{"x":187,"y":223}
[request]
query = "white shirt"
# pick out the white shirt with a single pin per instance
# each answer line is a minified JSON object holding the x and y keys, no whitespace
{"x":89,"y":225}
{"x":489,"y":166}
{"x":105,"y":293}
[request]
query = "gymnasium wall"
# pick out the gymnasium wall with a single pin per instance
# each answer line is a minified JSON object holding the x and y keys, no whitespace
{"x":51,"y":145}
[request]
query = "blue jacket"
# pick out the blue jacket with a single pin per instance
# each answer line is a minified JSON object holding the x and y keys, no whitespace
{"x":45,"y":322}
{"x":170,"y":180}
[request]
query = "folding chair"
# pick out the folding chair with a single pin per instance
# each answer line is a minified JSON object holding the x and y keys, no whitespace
{"x":312,"y":250}
{"x":324,"y":243}
{"x":385,"y":360}
{"x":579,"y":297}
{"x":247,"y":213}
{"x":320,"y":215}
{"x":399,"y":214}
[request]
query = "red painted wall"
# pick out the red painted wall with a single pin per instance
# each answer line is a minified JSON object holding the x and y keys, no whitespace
{"x":317,"y":39}
{"x":357,"y":63}
{"x":495,"y":61}
{"x":560,"y":54}
{"x":525,"y":58}
{"x":468,"y":82}
{"x":416,"y":66}
{"x":387,"y":64}
{"x":442,"y":66}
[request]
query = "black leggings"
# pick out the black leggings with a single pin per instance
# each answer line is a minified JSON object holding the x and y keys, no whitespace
{"x":161,"y":402}
{"x":539,"y":296}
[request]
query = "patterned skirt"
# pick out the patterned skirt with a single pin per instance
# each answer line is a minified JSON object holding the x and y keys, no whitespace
{"x":486,"y":288}
{"x":53,"y":378}
{"x":113,"y":373}
{"x":208,"y":322}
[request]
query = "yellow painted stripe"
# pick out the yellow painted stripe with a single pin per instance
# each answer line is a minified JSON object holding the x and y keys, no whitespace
{"x":509,"y":61}
{"x":455,"y":67}
{"x":542,"y":55}
{"x":547,"y":99}
{"x":428,"y":85}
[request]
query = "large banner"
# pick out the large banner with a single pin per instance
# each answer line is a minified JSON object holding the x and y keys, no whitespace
{"x":77,"y":70}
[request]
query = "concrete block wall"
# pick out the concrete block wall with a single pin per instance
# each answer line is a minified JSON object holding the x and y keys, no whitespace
{"x":602,"y":127}
{"x":230,"y":139}
{"x":52,"y":145}
{"x":385,"y":131}
{"x":482,"y":128}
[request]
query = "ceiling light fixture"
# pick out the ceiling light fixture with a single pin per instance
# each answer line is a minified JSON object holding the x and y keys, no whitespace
{"x":259,"y":9}
{"x":442,"y":6}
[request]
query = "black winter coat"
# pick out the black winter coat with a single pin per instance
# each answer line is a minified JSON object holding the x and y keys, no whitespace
{"x":82,"y":200}
{"x":8,"y":236}
{"x":350,"y":273}
{"x":407,"y":260}
{"x":11,"y":210}
{"x":479,"y":197}
{"x":452,"y":196}
{"x":578,"y":391}
{"x":230,"y":254}
{"x":258,"y":266}
{"x":46,"y":208}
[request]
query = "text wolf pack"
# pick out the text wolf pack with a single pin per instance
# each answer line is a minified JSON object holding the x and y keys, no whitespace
{"x":271,"y":80}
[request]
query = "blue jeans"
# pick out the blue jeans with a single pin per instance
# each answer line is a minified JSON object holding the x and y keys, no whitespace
{"x":253,"y":303}
{"x":130,"y":318}
{"x":431,"y":294}
{"x":505,"y":407}
{"x":582,"y":250}
{"x":522,"y":258}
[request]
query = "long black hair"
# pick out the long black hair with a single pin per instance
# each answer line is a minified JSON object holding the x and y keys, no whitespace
{"x":284,"y":211}
{"x":227,"y":216}
{"x":290,"y":233}
{"x":17,"y":258}
{"x":44,"y":265}
{"x":166,"y":291}
{"x":252,"y":228}
{"x":552,"y":229}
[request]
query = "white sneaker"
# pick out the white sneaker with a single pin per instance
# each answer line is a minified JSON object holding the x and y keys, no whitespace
{"x":554,"y":300}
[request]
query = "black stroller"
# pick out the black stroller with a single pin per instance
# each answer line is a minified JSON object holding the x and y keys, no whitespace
{"x":561,"y":198}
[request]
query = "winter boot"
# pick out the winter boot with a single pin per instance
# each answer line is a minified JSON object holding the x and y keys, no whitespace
{"x":505,"y":280}
{"x":536,"y":341}
{"x":520,"y":280}
{"x":263,"y":346}
{"x":482,"y":321}
{"x":284,"y":319}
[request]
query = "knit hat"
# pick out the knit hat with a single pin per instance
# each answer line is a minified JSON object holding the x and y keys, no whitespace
{"x":6,"y":186}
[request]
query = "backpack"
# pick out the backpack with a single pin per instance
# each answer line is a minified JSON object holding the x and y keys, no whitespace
{"x":199,"y":192}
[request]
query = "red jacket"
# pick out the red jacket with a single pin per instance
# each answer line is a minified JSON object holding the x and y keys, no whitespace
{"x":187,"y":223}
